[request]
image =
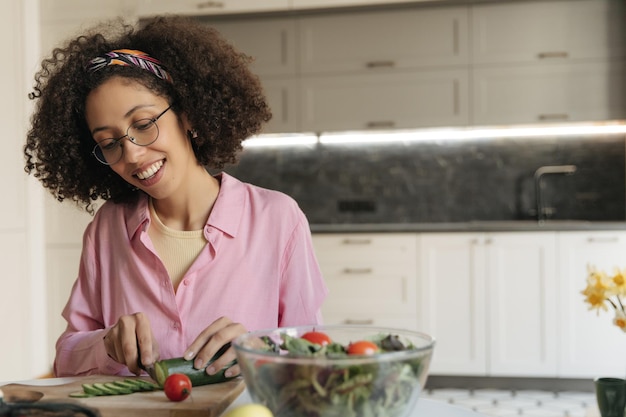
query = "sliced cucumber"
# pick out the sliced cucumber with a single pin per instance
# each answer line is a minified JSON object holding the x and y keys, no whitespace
{"x":91,"y":390}
{"x":106,"y":390}
{"x":142,"y":384}
{"x":117,"y":389}
{"x":128,"y":386}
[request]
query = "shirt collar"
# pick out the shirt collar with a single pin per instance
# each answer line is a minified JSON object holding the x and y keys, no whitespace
{"x":229,"y":205}
{"x":225,"y":216}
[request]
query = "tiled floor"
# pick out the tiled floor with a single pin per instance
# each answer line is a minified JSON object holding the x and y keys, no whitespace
{"x":500,"y":402}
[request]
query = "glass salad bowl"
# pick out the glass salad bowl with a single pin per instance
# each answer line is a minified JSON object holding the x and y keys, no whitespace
{"x":335,"y":371}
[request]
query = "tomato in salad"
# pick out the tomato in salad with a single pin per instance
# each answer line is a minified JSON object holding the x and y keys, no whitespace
{"x":318,"y":338}
{"x":362,"y":347}
{"x":177,"y":387}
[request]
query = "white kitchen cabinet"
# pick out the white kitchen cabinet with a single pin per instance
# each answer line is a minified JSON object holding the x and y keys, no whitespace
{"x":522,"y":307}
{"x":383,"y":40}
{"x":590,"y":345}
{"x":393,"y":100}
{"x":282,"y":97}
{"x":453,"y":300}
{"x":78,"y":10}
{"x":206,"y":7}
{"x":488,"y":299}
{"x":371,"y":278}
{"x":555,"y":92}
{"x":270,"y":42}
{"x":547,"y":31}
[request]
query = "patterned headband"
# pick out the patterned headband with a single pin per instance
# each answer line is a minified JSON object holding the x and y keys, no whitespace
{"x":129,"y":58}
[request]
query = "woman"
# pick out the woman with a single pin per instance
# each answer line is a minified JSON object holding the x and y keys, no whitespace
{"x":176,"y":262}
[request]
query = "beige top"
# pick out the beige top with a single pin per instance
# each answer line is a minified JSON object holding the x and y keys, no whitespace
{"x":177,"y":248}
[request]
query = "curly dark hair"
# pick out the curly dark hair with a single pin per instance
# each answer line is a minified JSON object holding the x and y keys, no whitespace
{"x":212,"y":85}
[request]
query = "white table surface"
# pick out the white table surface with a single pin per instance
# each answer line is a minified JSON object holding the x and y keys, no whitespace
{"x":425,"y":407}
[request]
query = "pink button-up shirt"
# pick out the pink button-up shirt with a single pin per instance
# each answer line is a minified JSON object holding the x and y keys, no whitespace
{"x":258,"y":268}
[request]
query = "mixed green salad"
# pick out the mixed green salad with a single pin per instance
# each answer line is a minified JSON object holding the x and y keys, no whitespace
{"x":376,"y":388}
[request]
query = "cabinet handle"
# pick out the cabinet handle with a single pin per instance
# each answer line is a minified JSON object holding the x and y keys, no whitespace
{"x":553,"y":116}
{"x":456,"y":96}
{"x":548,"y":55}
{"x":358,"y":322}
{"x":357,"y":271}
{"x":285,"y":108}
{"x":603,"y":239}
{"x":356,"y":241}
{"x":210,"y":5}
{"x":381,"y":124}
{"x":455,"y":40}
{"x":380,"y":64}
{"x":283,"y":47}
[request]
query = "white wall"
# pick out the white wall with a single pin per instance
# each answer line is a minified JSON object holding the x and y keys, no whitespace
{"x":22,"y":279}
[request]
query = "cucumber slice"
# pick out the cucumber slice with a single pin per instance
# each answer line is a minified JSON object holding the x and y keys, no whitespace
{"x":128,"y":386}
{"x":117,"y":389}
{"x":142,"y":384}
{"x":91,"y":390}
{"x":106,"y":390}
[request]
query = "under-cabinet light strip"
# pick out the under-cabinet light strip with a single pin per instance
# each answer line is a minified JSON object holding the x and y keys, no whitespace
{"x":609,"y":128}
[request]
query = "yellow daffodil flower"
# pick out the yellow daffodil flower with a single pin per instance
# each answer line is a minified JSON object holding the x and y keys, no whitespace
{"x":603,"y":289}
{"x":620,"y":320}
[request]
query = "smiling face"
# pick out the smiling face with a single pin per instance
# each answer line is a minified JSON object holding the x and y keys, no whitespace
{"x":160,"y":168}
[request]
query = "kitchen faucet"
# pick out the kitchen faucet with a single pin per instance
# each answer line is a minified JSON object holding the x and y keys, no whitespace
{"x":545,"y":170}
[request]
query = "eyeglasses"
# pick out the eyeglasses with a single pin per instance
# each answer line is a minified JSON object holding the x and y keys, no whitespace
{"x":143,"y":132}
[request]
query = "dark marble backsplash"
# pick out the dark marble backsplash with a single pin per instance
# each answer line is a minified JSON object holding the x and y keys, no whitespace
{"x":445,"y":181}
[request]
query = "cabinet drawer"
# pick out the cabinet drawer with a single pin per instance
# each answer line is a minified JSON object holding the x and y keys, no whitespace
{"x":383,"y":40}
{"x":373,"y":294}
{"x":346,"y":250}
{"x":548,"y":31}
{"x":395,"y":100}
{"x":206,"y":7}
{"x":78,"y":10}
{"x":365,"y":319}
{"x":549,"y":93}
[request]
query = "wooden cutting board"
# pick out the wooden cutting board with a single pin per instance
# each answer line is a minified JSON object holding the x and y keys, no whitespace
{"x":205,"y":401}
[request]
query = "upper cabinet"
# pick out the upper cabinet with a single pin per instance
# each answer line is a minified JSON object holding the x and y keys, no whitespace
{"x":73,"y":10}
{"x":271,"y":43}
{"x":547,"y":31}
{"x":397,"y":69}
{"x":381,"y":40}
{"x":548,"y":61}
{"x":426,"y":64}
{"x":549,"y":93}
{"x":207,"y":7}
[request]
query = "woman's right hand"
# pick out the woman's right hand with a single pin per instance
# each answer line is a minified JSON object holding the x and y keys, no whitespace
{"x":130,"y":341}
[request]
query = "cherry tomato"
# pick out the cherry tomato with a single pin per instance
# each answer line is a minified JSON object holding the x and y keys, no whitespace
{"x":318,"y":338}
{"x":362,"y":347}
{"x":177,"y":387}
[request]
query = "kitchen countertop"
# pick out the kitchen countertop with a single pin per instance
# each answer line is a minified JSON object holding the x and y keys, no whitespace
{"x":471,"y":226}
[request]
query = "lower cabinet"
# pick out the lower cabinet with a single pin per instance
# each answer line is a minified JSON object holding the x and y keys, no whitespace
{"x":590,"y":345}
{"x":372,"y":278}
{"x":489,"y":300}
{"x":505,"y":304}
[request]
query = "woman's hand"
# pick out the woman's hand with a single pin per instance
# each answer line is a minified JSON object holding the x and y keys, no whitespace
{"x":206,"y":345}
{"x":131,"y":339}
